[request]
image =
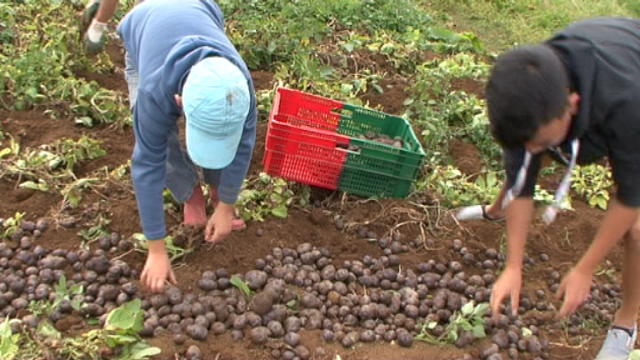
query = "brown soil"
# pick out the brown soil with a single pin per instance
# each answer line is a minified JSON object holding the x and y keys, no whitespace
{"x":563,"y":241}
{"x":240,"y":250}
{"x":466,"y":157}
{"x":391,"y":100}
{"x":34,"y":203}
{"x":356,"y":61}
{"x":114,"y":79}
{"x":33,"y":128}
{"x":262,"y":80}
{"x":364,"y":59}
{"x":470,"y":86}
{"x":118,"y":144}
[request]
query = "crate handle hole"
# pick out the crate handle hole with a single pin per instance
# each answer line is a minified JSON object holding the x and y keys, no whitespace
{"x":352,"y":149}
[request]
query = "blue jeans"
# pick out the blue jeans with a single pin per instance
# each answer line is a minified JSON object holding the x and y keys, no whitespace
{"x":182,"y":175}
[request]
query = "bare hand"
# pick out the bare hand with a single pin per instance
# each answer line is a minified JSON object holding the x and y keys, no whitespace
{"x":220,"y":223}
{"x":575,"y":287}
{"x":157,"y":269}
{"x":509,"y":285}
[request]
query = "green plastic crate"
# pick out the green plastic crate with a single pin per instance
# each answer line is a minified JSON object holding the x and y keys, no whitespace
{"x":378,"y":169}
{"x":317,"y":141}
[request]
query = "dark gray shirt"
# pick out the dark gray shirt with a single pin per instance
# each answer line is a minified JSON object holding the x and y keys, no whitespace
{"x":602,"y":57}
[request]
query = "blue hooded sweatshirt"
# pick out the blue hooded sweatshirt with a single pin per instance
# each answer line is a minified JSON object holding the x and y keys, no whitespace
{"x":164,"y":39}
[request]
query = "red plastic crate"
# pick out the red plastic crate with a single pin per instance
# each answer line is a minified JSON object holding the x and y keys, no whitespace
{"x":301,"y":143}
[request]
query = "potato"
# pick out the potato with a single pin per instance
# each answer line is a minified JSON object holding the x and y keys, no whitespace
{"x":202,"y":321}
{"x":292,"y":324}
{"x":108,"y":292}
{"x":367,"y":336}
{"x":302,"y":352}
{"x":259,"y":335}
{"x":240,"y":322}
{"x":350,"y":339}
{"x":256,"y":279}
{"x":197,"y":332}
{"x":193,"y":353}
{"x":292,"y":339}
{"x":17,"y":285}
{"x":404,"y":338}
{"x":501,"y":339}
{"x":237,"y":335}
{"x":534,"y":345}
{"x":278,"y":312}
{"x":174,"y":295}
{"x":207,"y":284}
{"x":53,"y":262}
{"x":262,"y":302}
{"x":99,"y":264}
{"x":492,"y":349}
{"x":369,"y":311}
{"x":390,"y":335}
{"x":411,"y":311}
{"x":310,"y":301}
{"x":218,"y":328}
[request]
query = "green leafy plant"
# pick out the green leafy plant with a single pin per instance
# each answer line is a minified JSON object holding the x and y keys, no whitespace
{"x":69,"y":152}
{"x":264,"y":196}
{"x":48,"y":166}
{"x":122,"y":326}
{"x":96,"y":231}
{"x":72,"y":191}
{"x":455,"y":189}
{"x":174,"y":251}
{"x":62,"y":293}
{"x":469,"y":318}
{"x":593,"y":182}
{"x":9,"y":342}
{"x":120,"y":332}
{"x":12,"y":224}
{"x":242,"y":286}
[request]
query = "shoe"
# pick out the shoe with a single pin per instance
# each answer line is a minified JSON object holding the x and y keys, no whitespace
{"x":618,"y":344}
{"x":475,"y":212}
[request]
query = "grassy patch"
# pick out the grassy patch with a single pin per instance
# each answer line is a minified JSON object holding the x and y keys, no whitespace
{"x":504,"y":23}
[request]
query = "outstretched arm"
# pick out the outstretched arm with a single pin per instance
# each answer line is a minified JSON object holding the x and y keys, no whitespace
{"x":576,"y":285}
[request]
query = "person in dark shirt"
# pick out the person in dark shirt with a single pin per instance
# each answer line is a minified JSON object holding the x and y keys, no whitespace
{"x":576,"y":96}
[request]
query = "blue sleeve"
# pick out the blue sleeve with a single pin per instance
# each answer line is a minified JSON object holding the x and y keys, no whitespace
{"x":232,"y":176}
{"x":218,"y":16}
{"x":148,"y":165}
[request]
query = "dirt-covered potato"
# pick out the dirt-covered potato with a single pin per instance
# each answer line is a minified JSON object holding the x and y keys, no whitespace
{"x":262,"y":302}
{"x":350,"y":339}
{"x":193,"y":353}
{"x":276,"y":329}
{"x":490,"y":350}
{"x":197,"y":332}
{"x":259,"y":335}
{"x":256,"y":279}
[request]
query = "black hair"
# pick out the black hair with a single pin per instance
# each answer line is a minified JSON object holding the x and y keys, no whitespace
{"x":528,"y":87}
